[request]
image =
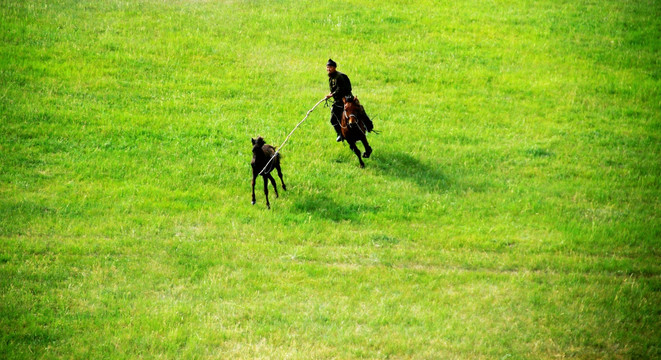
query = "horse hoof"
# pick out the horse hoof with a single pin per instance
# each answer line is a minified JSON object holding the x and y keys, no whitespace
{"x":362,"y":166}
{"x":367,"y":154}
{"x":284,"y":188}
{"x":253,"y":202}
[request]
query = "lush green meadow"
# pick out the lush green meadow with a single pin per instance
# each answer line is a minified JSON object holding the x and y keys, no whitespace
{"x":511,"y":208}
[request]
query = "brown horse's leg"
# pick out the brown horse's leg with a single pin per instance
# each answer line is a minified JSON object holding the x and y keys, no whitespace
{"x":275,"y":187}
{"x":266,"y":191}
{"x":357,"y":152}
{"x":254,"y":176}
{"x":277,"y":167}
{"x":368,"y":148}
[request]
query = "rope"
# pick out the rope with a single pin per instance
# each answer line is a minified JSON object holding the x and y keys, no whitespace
{"x":287,"y":138}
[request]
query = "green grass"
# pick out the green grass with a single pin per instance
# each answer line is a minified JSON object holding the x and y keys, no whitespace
{"x":510,"y":209}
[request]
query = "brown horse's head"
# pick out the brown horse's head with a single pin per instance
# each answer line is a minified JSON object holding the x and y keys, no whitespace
{"x":351,"y":111}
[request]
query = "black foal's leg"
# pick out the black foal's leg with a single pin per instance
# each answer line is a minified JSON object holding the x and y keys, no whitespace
{"x":254,"y":176}
{"x":275,"y":187}
{"x":357,"y":152}
{"x":266,"y":191}
{"x":277,"y":167}
{"x":368,"y":148}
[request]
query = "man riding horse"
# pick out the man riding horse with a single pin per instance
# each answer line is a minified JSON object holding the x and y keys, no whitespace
{"x":340,"y":87}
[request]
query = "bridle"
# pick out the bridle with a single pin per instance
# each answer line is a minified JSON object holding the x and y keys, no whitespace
{"x":357,"y":121}
{"x":344,"y":115}
{"x":350,"y":116}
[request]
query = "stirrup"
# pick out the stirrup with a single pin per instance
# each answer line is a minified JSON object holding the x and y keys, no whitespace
{"x":339,"y":138}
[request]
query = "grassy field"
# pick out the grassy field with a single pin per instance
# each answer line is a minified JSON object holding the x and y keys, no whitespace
{"x":511,"y":208}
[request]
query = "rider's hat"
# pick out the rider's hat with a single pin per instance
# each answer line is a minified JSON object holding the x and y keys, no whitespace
{"x":331,"y":63}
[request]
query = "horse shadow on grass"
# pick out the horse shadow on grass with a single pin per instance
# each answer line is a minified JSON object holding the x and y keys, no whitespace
{"x":323,"y":206}
{"x":427,"y":176}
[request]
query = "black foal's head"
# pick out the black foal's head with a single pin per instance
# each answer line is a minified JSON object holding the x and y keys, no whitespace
{"x":259,"y":142}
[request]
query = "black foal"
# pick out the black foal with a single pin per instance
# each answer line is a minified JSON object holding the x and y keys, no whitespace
{"x":261,"y":154}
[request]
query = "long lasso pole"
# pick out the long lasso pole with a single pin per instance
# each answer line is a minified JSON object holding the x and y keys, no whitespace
{"x":287,"y":138}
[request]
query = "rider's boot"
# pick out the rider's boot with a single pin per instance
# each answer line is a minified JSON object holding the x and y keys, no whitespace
{"x":338,"y":130}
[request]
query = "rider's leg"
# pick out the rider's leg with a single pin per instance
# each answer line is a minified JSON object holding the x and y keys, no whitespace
{"x":336,"y":117}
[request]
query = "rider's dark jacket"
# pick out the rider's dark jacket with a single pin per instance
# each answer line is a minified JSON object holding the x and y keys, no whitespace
{"x":340,"y":84}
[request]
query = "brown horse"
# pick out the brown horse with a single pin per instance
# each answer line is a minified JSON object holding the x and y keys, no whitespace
{"x":261,"y":155}
{"x":353,"y":128}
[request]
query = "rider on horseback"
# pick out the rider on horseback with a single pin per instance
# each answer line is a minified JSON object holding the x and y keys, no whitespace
{"x":340,"y":87}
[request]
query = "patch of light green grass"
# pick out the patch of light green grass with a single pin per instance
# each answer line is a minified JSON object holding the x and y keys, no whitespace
{"x":510,"y":208}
